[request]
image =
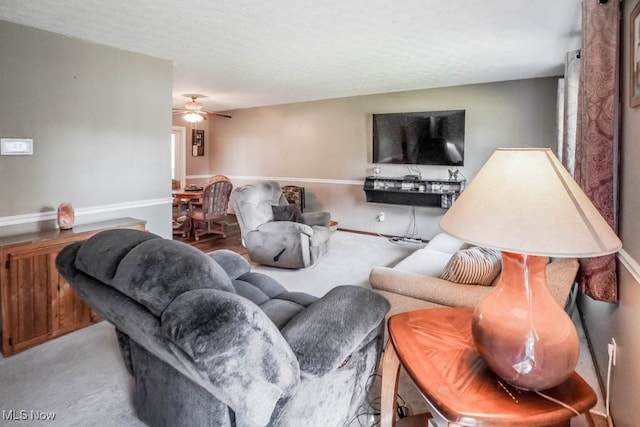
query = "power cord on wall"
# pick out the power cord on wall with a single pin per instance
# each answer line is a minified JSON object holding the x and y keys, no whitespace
{"x":411,"y":232}
{"x":611,"y":351}
{"x":412,"y":227}
{"x":409,"y":235}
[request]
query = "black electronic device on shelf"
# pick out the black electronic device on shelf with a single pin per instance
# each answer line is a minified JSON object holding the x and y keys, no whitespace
{"x":413,"y":191}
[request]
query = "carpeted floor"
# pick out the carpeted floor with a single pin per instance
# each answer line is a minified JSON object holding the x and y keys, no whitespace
{"x":80,"y":377}
{"x":349,"y":262}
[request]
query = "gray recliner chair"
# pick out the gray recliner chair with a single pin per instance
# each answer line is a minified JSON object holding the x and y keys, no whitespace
{"x":273,"y":233}
{"x":210,"y":343}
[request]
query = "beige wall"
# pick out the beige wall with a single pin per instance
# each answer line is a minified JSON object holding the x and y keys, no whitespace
{"x":195,"y":165}
{"x":100,"y":121}
{"x":325,"y":146}
{"x":621,"y":321}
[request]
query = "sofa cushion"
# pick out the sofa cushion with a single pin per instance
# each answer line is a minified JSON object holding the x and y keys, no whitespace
{"x":475,"y":265}
{"x":328,"y":331}
{"x":100,"y":256}
{"x":277,"y":303}
{"x":286,"y":213}
{"x":444,"y":243}
{"x":231,"y":262}
{"x":426,"y":261}
{"x":157,"y":271}
{"x":433,"y":258}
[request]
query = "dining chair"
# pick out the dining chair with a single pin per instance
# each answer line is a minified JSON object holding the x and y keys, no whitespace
{"x":209,"y":215}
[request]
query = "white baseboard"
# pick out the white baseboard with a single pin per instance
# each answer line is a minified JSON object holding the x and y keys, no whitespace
{"x":79,"y":212}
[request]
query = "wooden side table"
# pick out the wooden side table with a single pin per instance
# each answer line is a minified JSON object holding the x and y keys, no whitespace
{"x":436,"y":349}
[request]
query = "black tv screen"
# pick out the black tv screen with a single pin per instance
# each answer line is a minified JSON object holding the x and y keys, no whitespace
{"x":421,"y":138}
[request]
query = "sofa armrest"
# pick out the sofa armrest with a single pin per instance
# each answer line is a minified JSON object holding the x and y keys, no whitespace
{"x":286,"y":250}
{"x":561,"y":276}
{"x":285,"y":227}
{"x":329,"y":330}
{"x":235,"y":347}
{"x":427,"y":288}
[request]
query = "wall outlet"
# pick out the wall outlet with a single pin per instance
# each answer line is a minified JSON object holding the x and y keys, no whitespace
{"x":381,"y":217}
{"x":612,"y":349}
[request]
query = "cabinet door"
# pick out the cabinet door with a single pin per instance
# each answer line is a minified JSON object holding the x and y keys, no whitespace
{"x":42,"y":305}
{"x":30,"y":292}
{"x":68,"y":310}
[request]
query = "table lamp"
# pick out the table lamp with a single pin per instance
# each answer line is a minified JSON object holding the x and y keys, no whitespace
{"x":524,"y":203}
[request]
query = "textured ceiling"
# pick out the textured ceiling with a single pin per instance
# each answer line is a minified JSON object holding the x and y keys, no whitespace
{"x":254,"y":53}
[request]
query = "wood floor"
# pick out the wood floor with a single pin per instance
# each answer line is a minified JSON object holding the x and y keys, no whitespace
{"x":212,"y":242}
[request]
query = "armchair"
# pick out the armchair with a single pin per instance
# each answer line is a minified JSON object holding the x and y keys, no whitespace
{"x":295,"y":243}
{"x":208,"y":342}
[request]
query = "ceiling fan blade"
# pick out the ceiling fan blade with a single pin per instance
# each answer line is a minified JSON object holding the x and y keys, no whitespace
{"x":213,"y":113}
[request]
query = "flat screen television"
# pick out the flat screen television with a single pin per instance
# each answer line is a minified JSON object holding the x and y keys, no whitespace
{"x":420,"y":138}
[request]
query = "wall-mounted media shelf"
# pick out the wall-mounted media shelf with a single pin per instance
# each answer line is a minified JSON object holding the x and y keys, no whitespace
{"x":413,"y":191}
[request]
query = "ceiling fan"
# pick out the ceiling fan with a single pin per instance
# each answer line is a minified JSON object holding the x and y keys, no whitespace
{"x":193,"y":111}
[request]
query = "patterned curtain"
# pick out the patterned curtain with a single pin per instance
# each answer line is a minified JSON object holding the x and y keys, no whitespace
{"x":597,"y":129}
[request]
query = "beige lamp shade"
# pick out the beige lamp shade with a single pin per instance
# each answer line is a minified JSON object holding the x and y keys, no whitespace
{"x":523,"y":200}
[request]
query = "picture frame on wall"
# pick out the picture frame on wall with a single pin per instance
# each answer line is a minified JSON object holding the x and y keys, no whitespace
{"x":197,"y":143}
{"x":634,"y":58}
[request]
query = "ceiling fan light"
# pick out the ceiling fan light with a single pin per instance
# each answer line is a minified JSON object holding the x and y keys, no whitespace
{"x":193,"y":105}
{"x":193,"y":117}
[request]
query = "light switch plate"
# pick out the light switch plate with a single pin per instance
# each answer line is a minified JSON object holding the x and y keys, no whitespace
{"x":16,"y":146}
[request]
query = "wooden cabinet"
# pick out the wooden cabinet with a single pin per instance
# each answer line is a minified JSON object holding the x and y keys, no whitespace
{"x":413,"y":191}
{"x":36,"y":303}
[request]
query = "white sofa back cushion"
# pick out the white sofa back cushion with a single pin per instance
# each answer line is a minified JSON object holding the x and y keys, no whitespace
{"x":433,"y":258}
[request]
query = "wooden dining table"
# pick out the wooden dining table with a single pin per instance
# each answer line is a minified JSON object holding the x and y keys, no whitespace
{"x":183,"y":198}
{"x":187,"y":194}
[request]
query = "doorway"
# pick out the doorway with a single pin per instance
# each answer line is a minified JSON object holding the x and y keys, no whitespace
{"x":178,"y":159}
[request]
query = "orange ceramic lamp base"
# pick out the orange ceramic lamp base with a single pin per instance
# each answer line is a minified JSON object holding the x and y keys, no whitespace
{"x":520,"y":331}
